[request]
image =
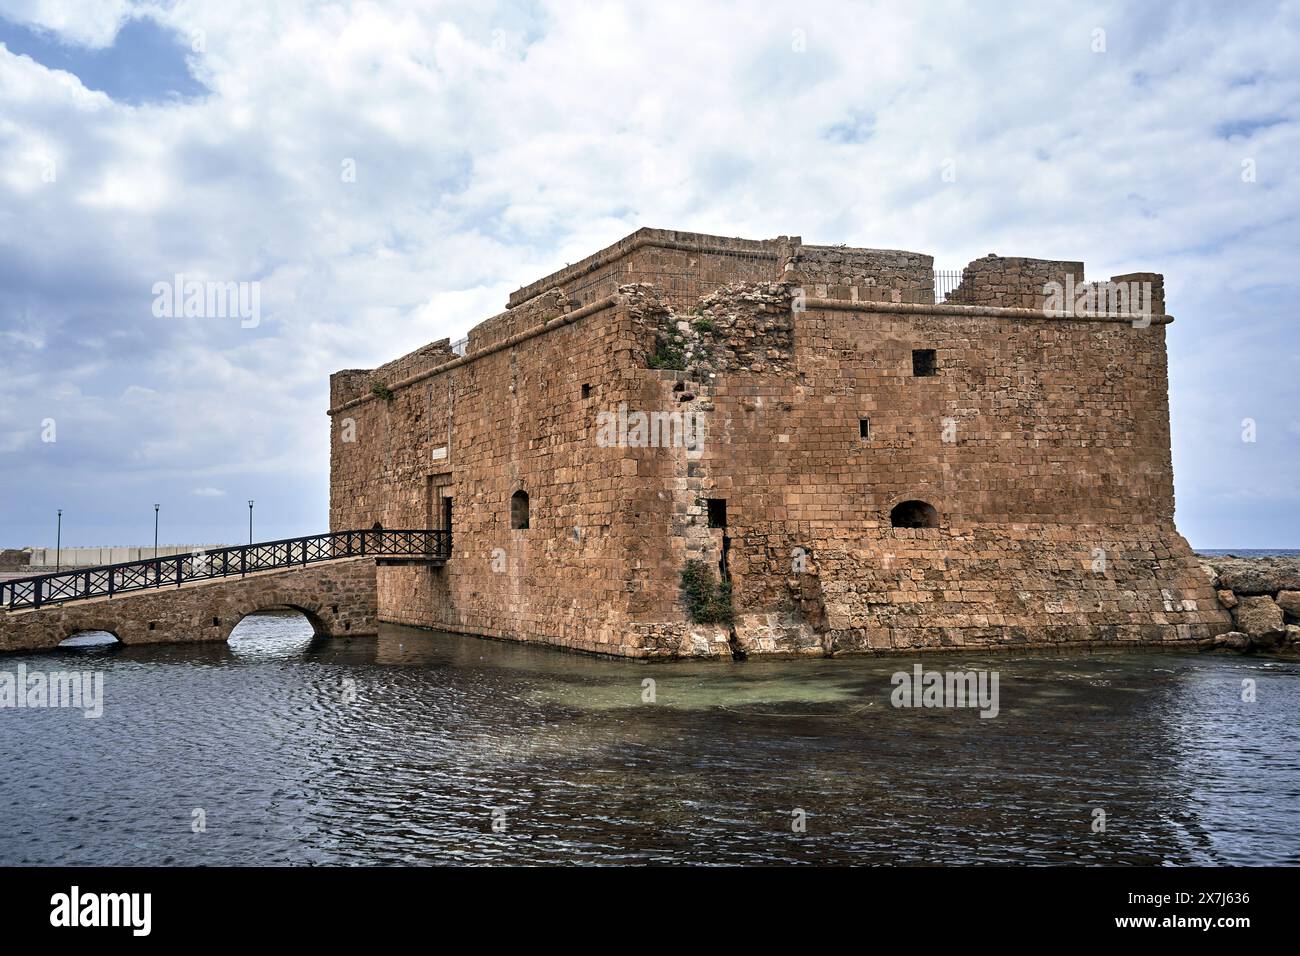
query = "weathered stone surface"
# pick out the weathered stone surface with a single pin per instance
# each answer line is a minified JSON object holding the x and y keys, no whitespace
{"x":1042,"y":443}
{"x":1289,"y":602}
{"x":1227,"y":599}
{"x":1253,"y":576}
{"x":1236,"y":640}
{"x":1293,"y":634}
{"x":337,"y":597}
{"x":1011,"y":281}
{"x":1260,"y":617}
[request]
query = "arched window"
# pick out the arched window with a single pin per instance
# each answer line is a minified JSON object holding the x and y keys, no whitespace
{"x":914,"y":514}
{"x":519,"y":510}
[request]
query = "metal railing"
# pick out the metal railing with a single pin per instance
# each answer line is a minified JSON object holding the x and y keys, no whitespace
{"x":174,"y":570}
{"x":946,"y":282}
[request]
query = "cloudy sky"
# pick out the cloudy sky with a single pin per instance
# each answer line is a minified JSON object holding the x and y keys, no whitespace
{"x":492,"y":143}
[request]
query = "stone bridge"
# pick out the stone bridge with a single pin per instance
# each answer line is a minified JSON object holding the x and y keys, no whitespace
{"x":338,"y":597}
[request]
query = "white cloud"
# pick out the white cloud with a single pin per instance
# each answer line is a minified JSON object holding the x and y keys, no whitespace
{"x":494,"y":143}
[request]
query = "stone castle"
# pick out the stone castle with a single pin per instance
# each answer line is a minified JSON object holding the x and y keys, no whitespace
{"x":694,"y":446}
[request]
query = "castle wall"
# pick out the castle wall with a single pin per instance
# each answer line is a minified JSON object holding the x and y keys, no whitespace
{"x":885,"y":275}
{"x":684,"y":265}
{"x":1011,"y":282}
{"x":511,"y":420}
{"x":1043,"y":443}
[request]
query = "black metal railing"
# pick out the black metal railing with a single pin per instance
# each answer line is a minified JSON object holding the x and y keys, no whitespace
{"x":946,"y":282}
{"x":177,"y":569}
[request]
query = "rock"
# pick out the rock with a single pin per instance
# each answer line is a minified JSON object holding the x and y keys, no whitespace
{"x":1261,"y":618}
{"x":1233,"y":639}
{"x":1293,"y":635}
{"x":1227,"y":599}
{"x":1255,"y":576}
{"x":1289,"y":601}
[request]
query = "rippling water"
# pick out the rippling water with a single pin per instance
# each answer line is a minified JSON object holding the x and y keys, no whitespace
{"x":399,"y":749}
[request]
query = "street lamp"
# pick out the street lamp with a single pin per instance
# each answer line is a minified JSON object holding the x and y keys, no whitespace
{"x":250,"y":520}
{"x":58,"y":543}
{"x":155,"y":531}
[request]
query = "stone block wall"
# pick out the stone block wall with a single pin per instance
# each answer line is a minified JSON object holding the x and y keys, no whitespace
{"x":684,"y":266}
{"x":514,"y":419}
{"x":1011,"y":282}
{"x":338,"y":597}
{"x":838,"y":272}
{"x":1043,"y":444}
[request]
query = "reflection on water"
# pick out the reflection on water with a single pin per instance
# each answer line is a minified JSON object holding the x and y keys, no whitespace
{"x":398,"y":749}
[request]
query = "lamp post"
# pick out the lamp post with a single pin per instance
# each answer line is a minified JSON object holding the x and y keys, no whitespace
{"x":155,"y":531}
{"x":250,"y":520}
{"x":58,"y":543}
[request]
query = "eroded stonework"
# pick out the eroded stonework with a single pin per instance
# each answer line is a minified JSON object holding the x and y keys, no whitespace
{"x":828,"y":388}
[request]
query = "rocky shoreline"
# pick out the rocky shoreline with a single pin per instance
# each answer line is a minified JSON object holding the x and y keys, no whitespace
{"x":1263,"y":597}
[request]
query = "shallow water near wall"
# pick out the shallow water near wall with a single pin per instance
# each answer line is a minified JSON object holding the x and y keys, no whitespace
{"x":282,"y":749}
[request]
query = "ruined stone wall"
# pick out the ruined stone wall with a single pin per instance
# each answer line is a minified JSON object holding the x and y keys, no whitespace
{"x":519,"y":319}
{"x":840,"y":272}
{"x":1042,"y":443}
{"x":1011,"y":282}
{"x":353,"y":383}
{"x":684,"y":265}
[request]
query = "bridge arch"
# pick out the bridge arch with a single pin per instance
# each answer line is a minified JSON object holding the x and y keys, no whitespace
{"x":91,"y":635}
{"x":321,"y":617}
{"x":313,"y":614}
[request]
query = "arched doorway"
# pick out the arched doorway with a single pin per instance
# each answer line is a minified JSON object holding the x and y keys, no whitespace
{"x":914,"y":514}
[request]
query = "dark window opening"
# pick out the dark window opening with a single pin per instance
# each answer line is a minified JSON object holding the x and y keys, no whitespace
{"x":334,"y":608}
{"x":864,"y":428}
{"x":519,"y":510}
{"x":717,"y":512}
{"x":216,"y":622}
{"x":446,"y":513}
{"x":377,"y":526}
{"x":924,"y":362}
{"x":586,"y":391}
{"x":152,"y":625}
{"x":914,"y":514}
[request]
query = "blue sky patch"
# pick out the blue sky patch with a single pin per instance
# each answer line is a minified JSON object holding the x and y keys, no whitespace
{"x":146,"y":63}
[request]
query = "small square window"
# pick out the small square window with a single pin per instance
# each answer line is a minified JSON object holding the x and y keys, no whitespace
{"x":864,"y":428}
{"x":924,"y":362}
{"x":717,"y":512}
{"x":586,"y":391}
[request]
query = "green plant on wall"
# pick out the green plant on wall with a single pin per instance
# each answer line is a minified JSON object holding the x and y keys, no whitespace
{"x":708,"y":601}
{"x":668,"y":352}
{"x":381,"y":391}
